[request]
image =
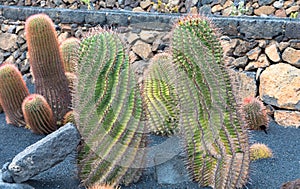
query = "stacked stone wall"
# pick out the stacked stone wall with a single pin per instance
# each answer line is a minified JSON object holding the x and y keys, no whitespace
{"x":263,"y":53}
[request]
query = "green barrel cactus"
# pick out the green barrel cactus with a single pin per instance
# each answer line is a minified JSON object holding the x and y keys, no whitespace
{"x":159,"y":95}
{"x":13,"y":91}
{"x":255,"y":114}
{"x":109,"y":112}
{"x":216,"y":142}
{"x":47,"y":64}
{"x":69,"y":49}
{"x":38,"y":114}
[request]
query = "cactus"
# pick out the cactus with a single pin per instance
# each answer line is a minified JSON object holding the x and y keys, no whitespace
{"x":160,"y":97}
{"x":255,"y":114}
{"x":13,"y":91}
{"x":1,"y":109}
{"x":72,"y":78}
{"x":102,"y":186}
{"x":109,"y":108}
{"x":260,"y":151}
{"x":47,"y":64}
{"x":215,"y":139}
{"x":69,"y":117}
{"x":38,"y":114}
{"x":69,"y":49}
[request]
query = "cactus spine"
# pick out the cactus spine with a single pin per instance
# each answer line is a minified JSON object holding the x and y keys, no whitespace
{"x":109,"y":109}
{"x":69,"y":49}
{"x":255,"y":114}
{"x":216,"y":143}
{"x":13,"y":91}
{"x":160,"y":97}
{"x":38,"y":114}
{"x":47,"y":64}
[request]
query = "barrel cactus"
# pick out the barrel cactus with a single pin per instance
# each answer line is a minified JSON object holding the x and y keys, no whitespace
{"x":159,"y":95}
{"x":260,"y":151}
{"x":255,"y":114}
{"x":69,"y":49}
{"x":47,"y":64}
{"x":13,"y":91}
{"x":216,"y":141}
{"x":108,"y":112}
{"x":38,"y":114}
{"x":69,"y":117}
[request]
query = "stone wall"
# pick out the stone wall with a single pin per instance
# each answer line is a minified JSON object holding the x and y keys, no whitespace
{"x":264,"y":53}
{"x":278,"y":8}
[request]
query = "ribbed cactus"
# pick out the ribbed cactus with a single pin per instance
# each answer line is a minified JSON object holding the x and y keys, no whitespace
{"x":38,"y":114}
{"x":69,"y":49}
{"x":13,"y":91}
{"x":72,"y":78}
{"x":47,"y":64}
{"x":260,"y":151}
{"x":216,"y":142}
{"x":109,"y":108}
{"x":255,"y":114}
{"x":159,"y":95}
{"x":102,"y":186}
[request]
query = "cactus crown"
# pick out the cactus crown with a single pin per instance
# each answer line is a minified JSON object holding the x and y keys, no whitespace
{"x":109,"y":109}
{"x":38,"y":114}
{"x":13,"y":90}
{"x":216,"y":143}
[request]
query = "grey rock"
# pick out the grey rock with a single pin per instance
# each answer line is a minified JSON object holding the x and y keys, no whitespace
{"x":205,"y":10}
{"x":4,"y":185}
{"x":265,"y":2}
{"x":172,"y":171}
{"x":44,"y":154}
{"x":292,"y":30}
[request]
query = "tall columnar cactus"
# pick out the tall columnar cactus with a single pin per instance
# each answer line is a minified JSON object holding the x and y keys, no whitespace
{"x":69,"y":49}
{"x":159,"y":95}
{"x":13,"y":91}
{"x":216,"y":142}
{"x":47,"y":64}
{"x":38,"y":114}
{"x":108,"y":112}
{"x":255,"y":114}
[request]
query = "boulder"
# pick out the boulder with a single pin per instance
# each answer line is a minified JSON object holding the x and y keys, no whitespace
{"x":273,"y":53}
{"x":254,"y":53}
{"x":261,"y":62}
{"x":42,"y":155}
{"x":280,"y":86}
{"x":142,"y":49}
{"x":264,"y":10}
{"x":287,"y":118}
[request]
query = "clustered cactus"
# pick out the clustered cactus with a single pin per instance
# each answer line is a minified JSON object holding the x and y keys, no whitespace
{"x":160,"y":97}
{"x":38,"y":114}
{"x":46,"y":64}
{"x":109,"y":108}
{"x":255,"y":114}
{"x":13,"y":91}
{"x":187,"y":92}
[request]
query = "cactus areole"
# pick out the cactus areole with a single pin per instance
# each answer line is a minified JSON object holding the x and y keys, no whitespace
{"x":46,"y":64}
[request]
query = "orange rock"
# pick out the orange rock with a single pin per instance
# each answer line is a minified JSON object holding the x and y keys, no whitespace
{"x":287,"y":118}
{"x":291,"y":56}
{"x":280,"y":86}
{"x":267,"y":10}
{"x":272,"y":53}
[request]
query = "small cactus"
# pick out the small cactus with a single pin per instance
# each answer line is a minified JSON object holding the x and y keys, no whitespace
{"x":13,"y":91}
{"x":69,"y":49}
{"x":69,"y":117}
{"x":102,"y":186}
{"x":46,"y":64}
{"x":255,"y":114}
{"x":38,"y":114}
{"x":260,"y":151}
